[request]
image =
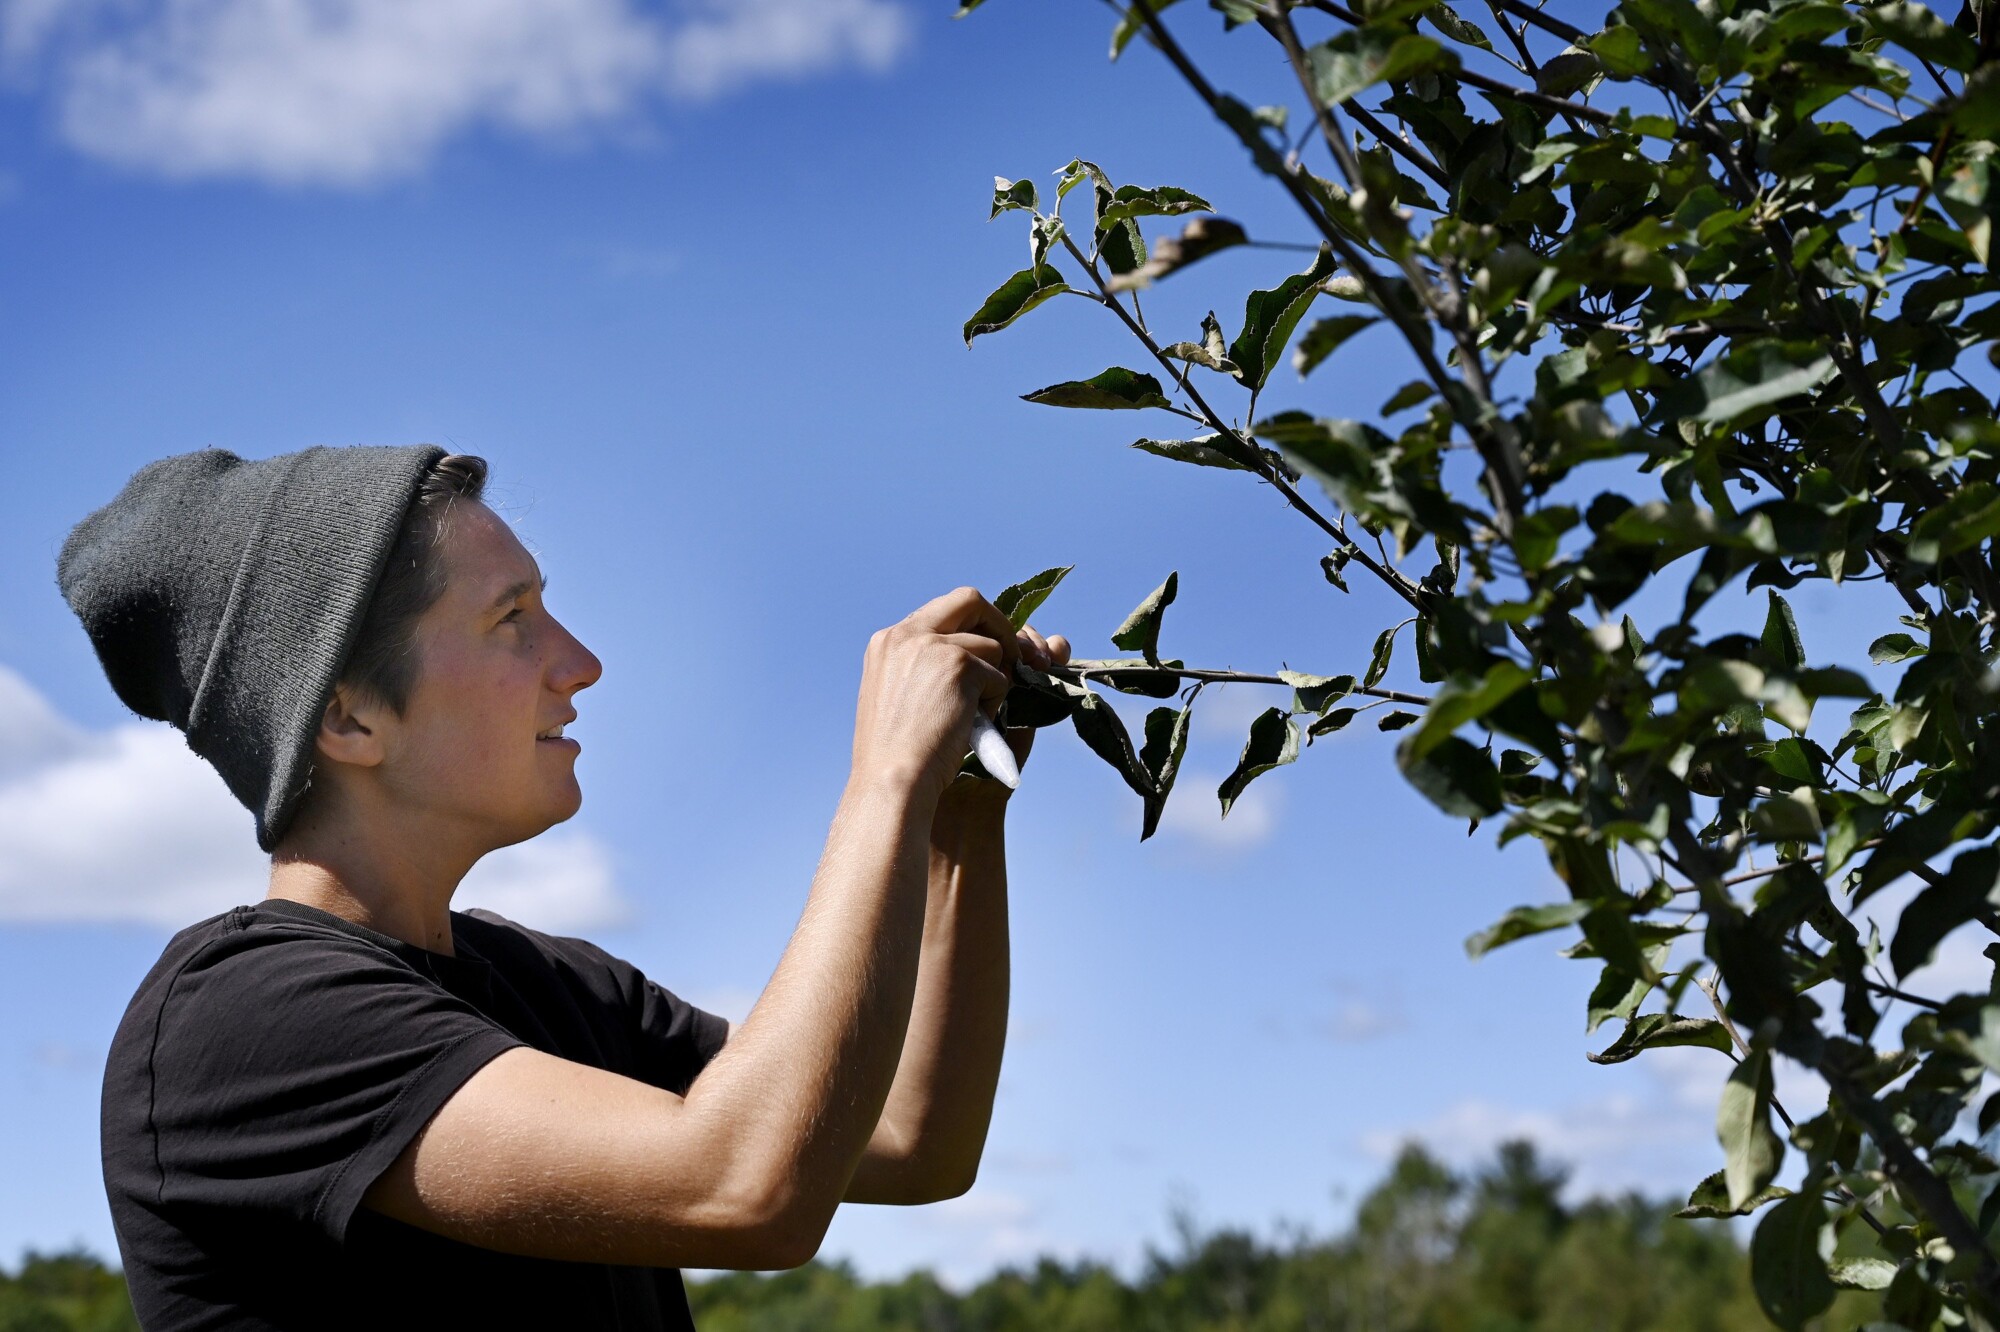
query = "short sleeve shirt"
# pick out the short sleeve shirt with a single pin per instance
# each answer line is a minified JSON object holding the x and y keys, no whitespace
{"x":278,"y":1058}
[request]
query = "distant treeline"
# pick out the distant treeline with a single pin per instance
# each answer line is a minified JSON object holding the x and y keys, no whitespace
{"x":1430,"y":1250}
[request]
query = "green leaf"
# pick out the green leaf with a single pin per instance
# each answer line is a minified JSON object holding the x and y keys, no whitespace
{"x":1966,"y":891}
{"x":1710,"y":1200}
{"x":1458,"y":778}
{"x":1653,"y":1031}
{"x":1199,"y":238}
{"x":1524,"y":921}
{"x":1104,"y":731}
{"x":1752,"y":1149}
{"x":1621,"y":52}
{"x":1360,"y":58}
{"x":1378,"y":660}
{"x":1020,"y":600}
{"x":1141,"y":630}
{"x":1210,"y":351}
{"x":1781,"y":634}
{"x":1408,"y":396}
{"x":1130,"y":26}
{"x":1011,"y":194}
{"x":1329,"y":723}
{"x":1116,"y":389}
{"x":1788,"y":1258}
{"x":1014,"y":298}
{"x":1313,"y":693}
{"x":1464,"y":698}
{"x":1890,"y":648}
{"x":1447,"y":21}
{"x":1324,"y":336}
{"x":1918,"y":29}
{"x":1861,"y":1273}
{"x":1166,"y":741}
{"x":1273,"y":742}
{"x":1270,"y":316}
{"x":1537,"y":535}
{"x":1130,"y":201}
{"x":1745,"y":380}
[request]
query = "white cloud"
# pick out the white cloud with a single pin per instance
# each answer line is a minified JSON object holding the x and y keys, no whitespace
{"x":129,"y":825}
{"x":346,"y":92}
{"x":1657,"y":1136}
{"x":1193,"y":811}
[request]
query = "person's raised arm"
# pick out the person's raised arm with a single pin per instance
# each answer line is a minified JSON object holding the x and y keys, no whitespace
{"x":543,"y":1156}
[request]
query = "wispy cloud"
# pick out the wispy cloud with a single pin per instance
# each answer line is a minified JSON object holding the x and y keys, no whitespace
{"x":348,"y":92}
{"x":129,"y":825}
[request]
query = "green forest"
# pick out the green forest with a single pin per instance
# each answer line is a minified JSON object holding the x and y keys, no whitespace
{"x":1430,"y":1249}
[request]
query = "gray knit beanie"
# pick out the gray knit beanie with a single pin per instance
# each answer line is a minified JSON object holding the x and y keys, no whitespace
{"x":224,"y":595}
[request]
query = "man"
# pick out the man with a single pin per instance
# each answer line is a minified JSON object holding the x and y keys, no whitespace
{"x":348,"y":1105}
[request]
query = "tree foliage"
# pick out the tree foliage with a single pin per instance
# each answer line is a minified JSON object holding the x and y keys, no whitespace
{"x":1696,"y":293}
{"x":1429,"y":1250}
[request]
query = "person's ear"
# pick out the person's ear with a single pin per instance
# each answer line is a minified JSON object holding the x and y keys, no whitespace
{"x":350,"y":731}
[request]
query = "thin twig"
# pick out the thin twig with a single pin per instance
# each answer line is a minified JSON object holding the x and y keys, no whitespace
{"x":1396,"y":581}
{"x":1078,"y":671}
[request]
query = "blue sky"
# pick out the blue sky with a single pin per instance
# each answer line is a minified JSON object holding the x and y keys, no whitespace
{"x":692,"y":279}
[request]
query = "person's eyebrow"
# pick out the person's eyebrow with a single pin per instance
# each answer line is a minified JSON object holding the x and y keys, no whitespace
{"x":516,"y":590}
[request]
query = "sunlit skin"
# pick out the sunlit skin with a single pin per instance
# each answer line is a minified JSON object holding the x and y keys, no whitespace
{"x":404,"y":805}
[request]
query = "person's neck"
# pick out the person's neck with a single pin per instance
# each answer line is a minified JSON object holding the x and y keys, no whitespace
{"x":396,"y":881}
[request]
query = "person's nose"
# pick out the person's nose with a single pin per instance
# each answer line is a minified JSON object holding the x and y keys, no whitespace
{"x":580,"y":667}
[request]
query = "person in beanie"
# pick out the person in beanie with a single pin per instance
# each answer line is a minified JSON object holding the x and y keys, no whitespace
{"x":349,"y":1106}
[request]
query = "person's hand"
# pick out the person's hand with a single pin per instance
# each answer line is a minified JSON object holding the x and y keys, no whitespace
{"x":1040,"y":653}
{"x":921,"y":678}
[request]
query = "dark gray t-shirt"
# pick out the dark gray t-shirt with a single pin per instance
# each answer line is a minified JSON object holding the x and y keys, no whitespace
{"x":277,"y":1058}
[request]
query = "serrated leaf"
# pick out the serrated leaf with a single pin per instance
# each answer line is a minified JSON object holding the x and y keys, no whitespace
{"x":1100,"y":727}
{"x":1861,"y":1273}
{"x":1326,"y":335}
{"x":1330,"y":722}
{"x":1131,"y":24}
{"x":1788,"y":1258}
{"x":1199,"y":238}
{"x":1211,"y":351}
{"x":1378,"y":660}
{"x":1313,"y":693}
{"x":1116,"y":389}
{"x":1522,"y":922}
{"x":1011,"y":194}
{"x":1653,"y":1031}
{"x":1744,"y":379}
{"x":1140,"y":631}
{"x":1463,"y":698}
{"x":1014,"y":298}
{"x":1273,"y":742}
{"x":1710,"y":1200}
{"x":1752,"y":1150}
{"x":1133,"y":201}
{"x":1020,"y":600}
{"x":1270,"y":316}
{"x":1360,"y":58}
{"x":1890,"y":648}
{"x":1781,"y":634}
{"x":1166,"y":741}
{"x":1457,"y":777}
{"x":1919,"y":29}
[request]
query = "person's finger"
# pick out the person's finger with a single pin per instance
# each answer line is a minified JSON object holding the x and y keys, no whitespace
{"x":1038,"y":653}
{"x":1058,"y":647}
{"x":964,"y":609}
{"x":980,"y":646}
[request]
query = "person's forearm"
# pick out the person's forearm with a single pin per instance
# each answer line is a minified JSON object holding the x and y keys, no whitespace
{"x":941,"y":1103}
{"x":799,"y":1087}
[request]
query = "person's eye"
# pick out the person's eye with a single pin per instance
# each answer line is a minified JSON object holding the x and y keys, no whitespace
{"x":510,"y":615}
